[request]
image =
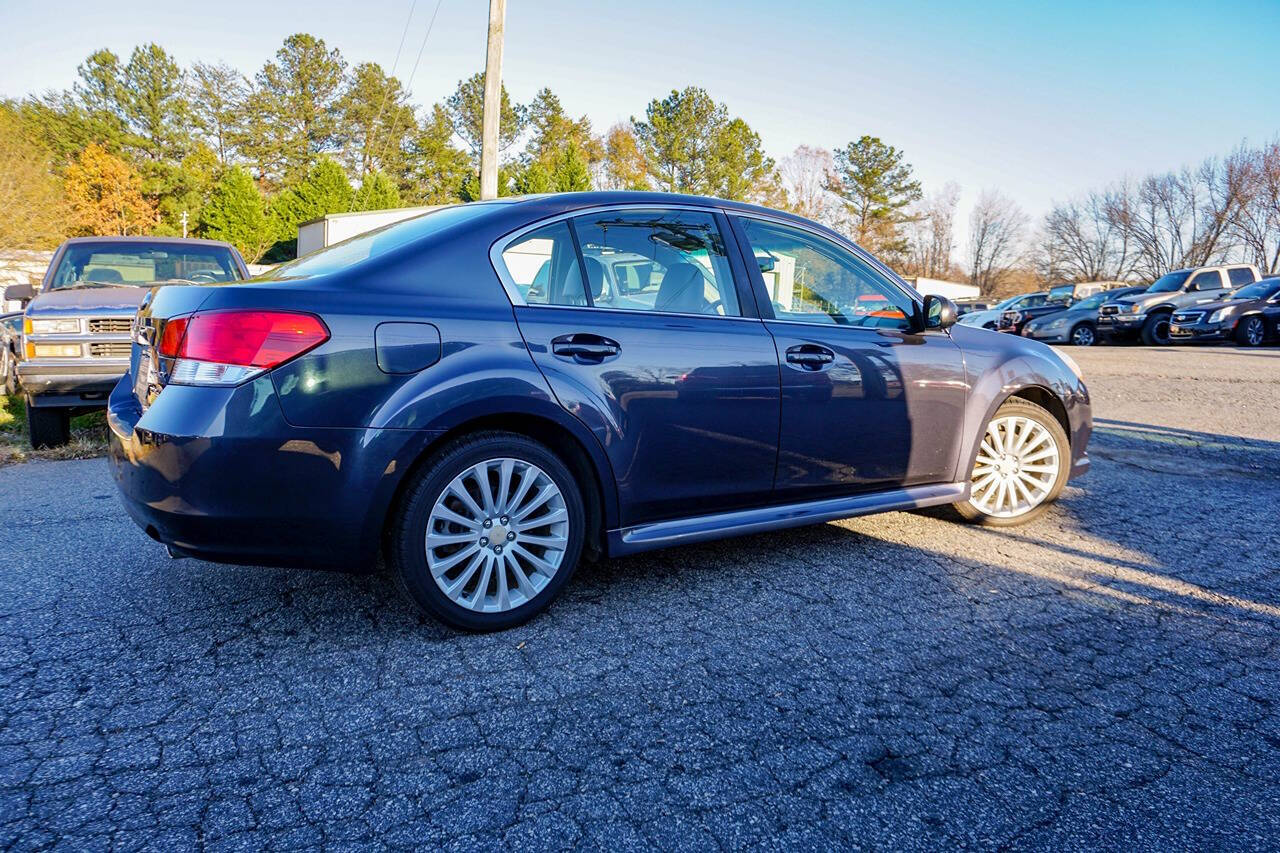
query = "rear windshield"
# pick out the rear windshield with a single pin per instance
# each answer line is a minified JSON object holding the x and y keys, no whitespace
{"x":131,"y":263}
{"x":1264,"y":289}
{"x":374,"y":243}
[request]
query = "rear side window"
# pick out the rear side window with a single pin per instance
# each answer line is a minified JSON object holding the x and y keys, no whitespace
{"x":1240,"y":276}
{"x":671,"y":261}
{"x":543,"y":266}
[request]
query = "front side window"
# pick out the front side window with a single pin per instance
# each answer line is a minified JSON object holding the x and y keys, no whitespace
{"x":813,"y":280}
{"x":1240,"y":276}
{"x":672,"y":261}
{"x":1208,"y":280}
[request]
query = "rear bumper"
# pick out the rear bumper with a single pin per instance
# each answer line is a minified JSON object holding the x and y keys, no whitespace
{"x":219,"y":474}
{"x":69,"y":384}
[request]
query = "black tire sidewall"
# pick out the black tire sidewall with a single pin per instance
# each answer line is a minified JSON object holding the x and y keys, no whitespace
{"x":1149,"y":336}
{"x":48,"y":428}
{"x":406,"y":550}
{"x":1242,"y":332}
{"x":1078,"y":327}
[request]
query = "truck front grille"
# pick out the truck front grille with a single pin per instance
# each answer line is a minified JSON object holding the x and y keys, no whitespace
{"x":110,"y":326}
{"x":1108,"y":310}
{"x":112,"y":349}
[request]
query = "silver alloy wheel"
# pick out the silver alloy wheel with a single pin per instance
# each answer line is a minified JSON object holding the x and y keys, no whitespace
{"x":1017,"y":466}
{"x":1082,"y":336}
{"x":497,"y":535}
{"x":1253,"y":331}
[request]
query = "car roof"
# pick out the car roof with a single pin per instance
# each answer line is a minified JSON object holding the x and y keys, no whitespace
{"x":134,"y":238}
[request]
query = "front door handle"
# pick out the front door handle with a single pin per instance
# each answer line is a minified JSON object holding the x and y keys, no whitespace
{"x":585,"y":348}
{"x":810,"y":356}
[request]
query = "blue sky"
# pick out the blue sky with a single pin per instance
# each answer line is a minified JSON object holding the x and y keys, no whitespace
{"x":1044,"y":101}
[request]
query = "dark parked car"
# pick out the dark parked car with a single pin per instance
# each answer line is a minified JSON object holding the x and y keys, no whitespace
{"x":76,"y":333}
{"x":1013,"y":320}
{"x":1077,"y":324}
{"x":400,"y":391}
{"x":1251,"y":316}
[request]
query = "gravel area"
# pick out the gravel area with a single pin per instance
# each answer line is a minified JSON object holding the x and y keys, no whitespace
{"x":1107,"y":676}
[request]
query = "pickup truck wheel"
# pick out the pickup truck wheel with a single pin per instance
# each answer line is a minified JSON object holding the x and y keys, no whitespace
{"x":1021,"y":467}
{"x":1155,"y":331}
{"x":48,"y":427}
{"x":1250,"y":332}
{"x":488,"y":532}
{"x":1084,"y":335}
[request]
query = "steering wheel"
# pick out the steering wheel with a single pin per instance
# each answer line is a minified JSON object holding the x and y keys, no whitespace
{"x":206,"y":277}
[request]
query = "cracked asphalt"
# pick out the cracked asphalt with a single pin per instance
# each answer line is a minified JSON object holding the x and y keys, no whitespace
{"x":1107,"y":676}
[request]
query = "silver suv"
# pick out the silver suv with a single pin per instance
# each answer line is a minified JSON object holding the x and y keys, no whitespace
{"x":1146,"y":315}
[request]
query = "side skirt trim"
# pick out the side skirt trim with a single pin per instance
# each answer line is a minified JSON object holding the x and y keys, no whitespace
{"x":702,"y":528}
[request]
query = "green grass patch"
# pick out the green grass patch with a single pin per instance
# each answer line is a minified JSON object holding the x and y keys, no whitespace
{"x":88,"y":435}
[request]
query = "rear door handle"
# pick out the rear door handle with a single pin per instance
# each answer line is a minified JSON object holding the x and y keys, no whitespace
{"x":586,"y":348}
{"x":810,"y":356}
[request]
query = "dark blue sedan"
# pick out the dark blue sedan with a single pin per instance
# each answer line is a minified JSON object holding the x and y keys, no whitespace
{"x":490,"y":392}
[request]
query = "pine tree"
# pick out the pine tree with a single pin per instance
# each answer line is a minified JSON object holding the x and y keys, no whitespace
{"x":377,"y":192}
{"x":236,"y":213}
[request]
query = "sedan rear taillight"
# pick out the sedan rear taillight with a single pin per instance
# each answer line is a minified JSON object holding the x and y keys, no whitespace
{"x":230,"y":347}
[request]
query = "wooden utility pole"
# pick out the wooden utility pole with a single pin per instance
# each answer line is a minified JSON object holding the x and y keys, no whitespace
{"x":492,"y":101}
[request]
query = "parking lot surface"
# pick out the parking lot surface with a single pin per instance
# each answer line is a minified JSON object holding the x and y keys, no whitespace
{"x":1108,"y":675}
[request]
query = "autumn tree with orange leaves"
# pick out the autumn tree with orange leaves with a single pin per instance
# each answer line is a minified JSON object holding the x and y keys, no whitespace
{"x":104,"y":195}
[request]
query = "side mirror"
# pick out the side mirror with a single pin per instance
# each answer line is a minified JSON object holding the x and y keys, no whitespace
{"x":23,"y":293}
{"x":939,"y":312}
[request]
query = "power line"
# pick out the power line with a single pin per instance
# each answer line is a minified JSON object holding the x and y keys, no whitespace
{"x":412,"y":74}
{"x":395,"y":63}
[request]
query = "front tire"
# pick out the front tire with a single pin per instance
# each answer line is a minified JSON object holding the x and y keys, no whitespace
{"x":1021,"y":466}
{"x":488,"y":532}
{"x":1084,"y":335}
{"x":48,"y":427}
{"x":1251,"y":332}
{"x":1155,"y":331}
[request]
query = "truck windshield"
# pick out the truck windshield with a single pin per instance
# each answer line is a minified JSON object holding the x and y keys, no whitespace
{"x":1169,"y":282}
{"x":132,"y":263}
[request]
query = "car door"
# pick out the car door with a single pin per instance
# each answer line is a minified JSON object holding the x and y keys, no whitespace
{"x":675,"y":378}
{"x":1207,"y":286}
{"x":867,"y":401}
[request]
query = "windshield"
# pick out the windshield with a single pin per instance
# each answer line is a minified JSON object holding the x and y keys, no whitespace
{"x":1095,"y":301}
{"x":1169,"y":282}
{"x":380,"y":241}
{"x":134,"y":262}
{"x":1264,"y":289}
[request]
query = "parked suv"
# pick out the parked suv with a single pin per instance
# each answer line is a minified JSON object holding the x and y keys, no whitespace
{"x":1146,"y":316}
{"x":990,"y":319}
{"x":1013,"y":320}
{"x":407,"y":391}
{"x":76,"y":340}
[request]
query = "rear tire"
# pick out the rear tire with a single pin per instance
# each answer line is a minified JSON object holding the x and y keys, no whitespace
{"x":1155,"y":331}
{"x":1084,"y":335}
{"x":1251,"y":332}
{"x":1030,"y":440}
{"x":48,"y":427}
{"x":537,"y":530}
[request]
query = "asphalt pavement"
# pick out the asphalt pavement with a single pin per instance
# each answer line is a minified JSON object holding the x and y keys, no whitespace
{"x":1107,"y":676}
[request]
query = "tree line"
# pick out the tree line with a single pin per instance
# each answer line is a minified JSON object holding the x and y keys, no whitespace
{"x":144,"y":145}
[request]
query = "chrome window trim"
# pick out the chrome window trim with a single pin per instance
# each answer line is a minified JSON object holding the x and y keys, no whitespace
{"x":517,"y":300}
